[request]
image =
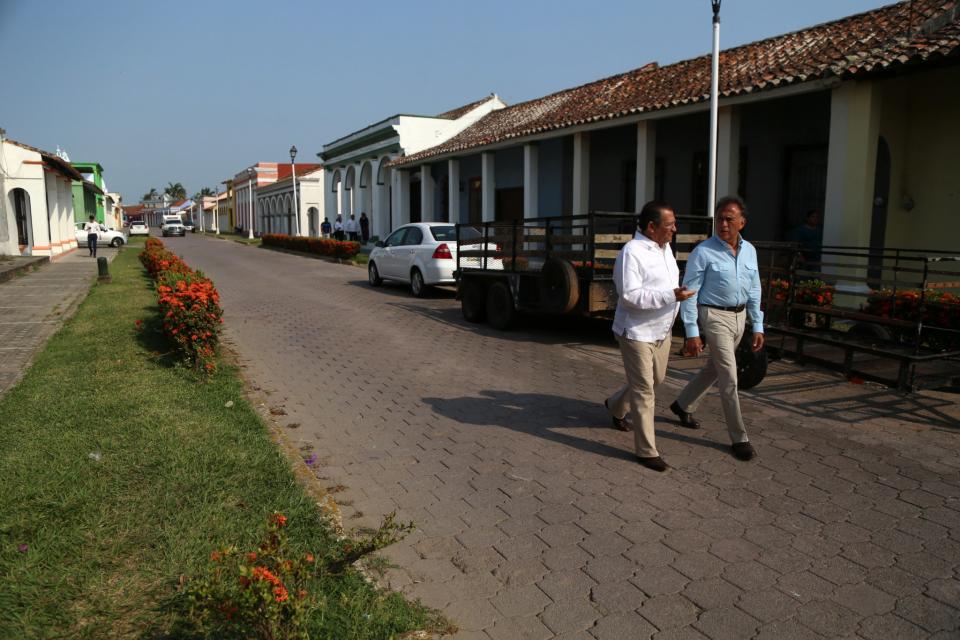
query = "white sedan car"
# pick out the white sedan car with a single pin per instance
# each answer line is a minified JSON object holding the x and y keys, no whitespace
{"x":106,"y":236}
{"x":420,"y":254}
{"x":139,"y":228}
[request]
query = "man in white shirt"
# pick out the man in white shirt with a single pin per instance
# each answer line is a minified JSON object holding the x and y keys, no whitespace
{"x":648,"y":296}
{"x":352,"y":227}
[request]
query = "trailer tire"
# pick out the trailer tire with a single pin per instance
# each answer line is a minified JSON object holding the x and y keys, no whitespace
{"x":472,"y":302}
{"x":500,"y":311}
{"x":751,"y":365}
{"x":870,"y":331}
{"x":559,"y":287}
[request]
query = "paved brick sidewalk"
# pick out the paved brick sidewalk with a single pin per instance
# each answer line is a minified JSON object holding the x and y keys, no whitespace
{"x":533,"y":519}
{"x":35,"y":304}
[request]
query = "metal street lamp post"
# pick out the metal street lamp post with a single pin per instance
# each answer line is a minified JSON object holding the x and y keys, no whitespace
{"x":714,"y":105}
{"x":293,"y":166}
{"x":250,"y":193}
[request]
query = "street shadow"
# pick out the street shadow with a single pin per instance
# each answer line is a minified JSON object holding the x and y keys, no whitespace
{"x":402,"y":290}
{"x":550,"y":417}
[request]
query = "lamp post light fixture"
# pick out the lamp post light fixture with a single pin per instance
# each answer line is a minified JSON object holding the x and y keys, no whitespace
{"x":293,"y":166}
{"x":714,"y":107}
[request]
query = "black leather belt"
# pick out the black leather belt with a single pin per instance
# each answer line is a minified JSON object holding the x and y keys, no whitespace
{"x":737,"y":309}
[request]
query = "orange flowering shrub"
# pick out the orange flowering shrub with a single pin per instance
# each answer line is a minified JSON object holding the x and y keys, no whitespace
{"x":319,"y":246}
{"x":262,"y":594}
{"x":189,"y":303}
{"x":274,"y":592}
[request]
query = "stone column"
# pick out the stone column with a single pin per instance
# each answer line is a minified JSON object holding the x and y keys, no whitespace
{"x":489,"y":187}
{"x":851,"y":163}
{"x":401,"y":196}
{"x":453,"y":189}
{"x":646,"y":163}
{"x":581,"y":173}
{"x":427,"y":194}
{"x":728,"y":151}
{"x":531,"y":181}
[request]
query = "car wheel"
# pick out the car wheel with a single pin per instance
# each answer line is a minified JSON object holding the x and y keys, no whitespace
{"x":416,"y":283}
{"x":116,"y":242}
{"x":373,"y":276}
{"x":500,"y":311}
{"x":472,"y":303}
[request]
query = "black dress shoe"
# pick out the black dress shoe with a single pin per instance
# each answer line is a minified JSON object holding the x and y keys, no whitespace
{"x":657,"y":463}
{"x":686,"y":419}
{"x":620,"y":424}
{"x":743,"y":450}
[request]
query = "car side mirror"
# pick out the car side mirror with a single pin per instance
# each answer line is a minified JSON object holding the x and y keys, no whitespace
{"x":379,"y":243}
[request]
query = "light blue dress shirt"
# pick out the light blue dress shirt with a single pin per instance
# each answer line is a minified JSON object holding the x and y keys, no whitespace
{"x":722,"y":280}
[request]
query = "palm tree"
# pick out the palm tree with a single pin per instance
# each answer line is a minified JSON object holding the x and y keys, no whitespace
{"x":150,"y":195}
{"x":175,"y":190}
{"x":207,"y":191}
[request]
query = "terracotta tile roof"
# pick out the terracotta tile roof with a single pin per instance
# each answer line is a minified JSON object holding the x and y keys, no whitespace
{"x":284,"y":171}
{"x":453,"y":114}
{"x":867,"y":43}
{"x":60,"y":165}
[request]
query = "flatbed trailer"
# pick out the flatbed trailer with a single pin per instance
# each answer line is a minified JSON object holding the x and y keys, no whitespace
{"x":550,"y":266}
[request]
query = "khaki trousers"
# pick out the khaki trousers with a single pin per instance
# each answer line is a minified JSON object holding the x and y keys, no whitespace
{"x":645,"y":364}
{"x":722,"y":330}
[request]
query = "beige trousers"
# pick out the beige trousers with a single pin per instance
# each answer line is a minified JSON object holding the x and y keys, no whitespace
{"x":646,"y":366}
{"x":722,"y":331}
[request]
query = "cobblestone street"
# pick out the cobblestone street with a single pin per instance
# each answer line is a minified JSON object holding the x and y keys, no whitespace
{"x":534,"y":520}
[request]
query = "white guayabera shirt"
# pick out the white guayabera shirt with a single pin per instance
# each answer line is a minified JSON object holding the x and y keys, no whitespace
{"x":645,"y":276}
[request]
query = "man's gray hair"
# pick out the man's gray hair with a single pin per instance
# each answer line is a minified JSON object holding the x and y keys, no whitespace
{"x":723,"y":202}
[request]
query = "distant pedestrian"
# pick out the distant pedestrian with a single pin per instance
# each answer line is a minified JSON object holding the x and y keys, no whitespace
{"x":93,"y":230}
{"x":352,"y":227}
{"x":809,"y":236}
{"x":364,"y":228}
{"x":338,"y":228}
{"x":723,"y":272}
{"x":325,"y":228}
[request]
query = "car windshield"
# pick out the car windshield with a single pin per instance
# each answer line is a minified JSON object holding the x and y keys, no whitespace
{"x":447,"y":233}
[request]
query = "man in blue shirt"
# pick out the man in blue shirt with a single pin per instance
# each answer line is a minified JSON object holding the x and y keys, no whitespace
{"x":723,"y":272}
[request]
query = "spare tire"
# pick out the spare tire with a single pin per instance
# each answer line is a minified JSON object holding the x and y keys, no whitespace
{"x":559,"y":287}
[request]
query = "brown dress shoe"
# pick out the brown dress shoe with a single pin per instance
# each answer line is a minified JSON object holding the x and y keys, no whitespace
{"x":657,"y":463}
{"x":620,"y":424}
{"x":686,"y":419}
{"x":743,"y":450}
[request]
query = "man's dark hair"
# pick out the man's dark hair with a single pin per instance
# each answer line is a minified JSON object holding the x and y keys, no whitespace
{"x":652,"y":212}
{"x":728,"y":200}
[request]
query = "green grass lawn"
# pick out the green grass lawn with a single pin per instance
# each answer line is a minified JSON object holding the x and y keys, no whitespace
{"x":122,"y":472}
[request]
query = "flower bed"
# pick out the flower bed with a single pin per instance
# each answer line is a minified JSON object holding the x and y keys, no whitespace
{"x":189,"y":304}
{"x":940,"y":309}
{"x":320,"y":246}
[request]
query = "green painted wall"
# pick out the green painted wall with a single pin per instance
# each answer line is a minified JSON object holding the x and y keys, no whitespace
{"x":85,"y":202}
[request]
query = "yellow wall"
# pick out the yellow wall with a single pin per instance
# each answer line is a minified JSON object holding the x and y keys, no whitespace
{"x":921,"y":123}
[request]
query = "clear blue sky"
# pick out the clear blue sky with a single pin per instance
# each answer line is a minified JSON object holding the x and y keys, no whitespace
{"x":193,"y":92}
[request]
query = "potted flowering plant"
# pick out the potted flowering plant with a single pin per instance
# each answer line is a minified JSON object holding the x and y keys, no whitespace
{"x":812,"y":293}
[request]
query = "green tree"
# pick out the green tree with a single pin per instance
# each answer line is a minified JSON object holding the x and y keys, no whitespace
{"x":150,"y":195}
{"x":175,"y":190}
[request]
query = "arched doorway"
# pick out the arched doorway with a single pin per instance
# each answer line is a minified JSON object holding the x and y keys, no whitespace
{"x":21,"y":212}
{"x":313,"y":220}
